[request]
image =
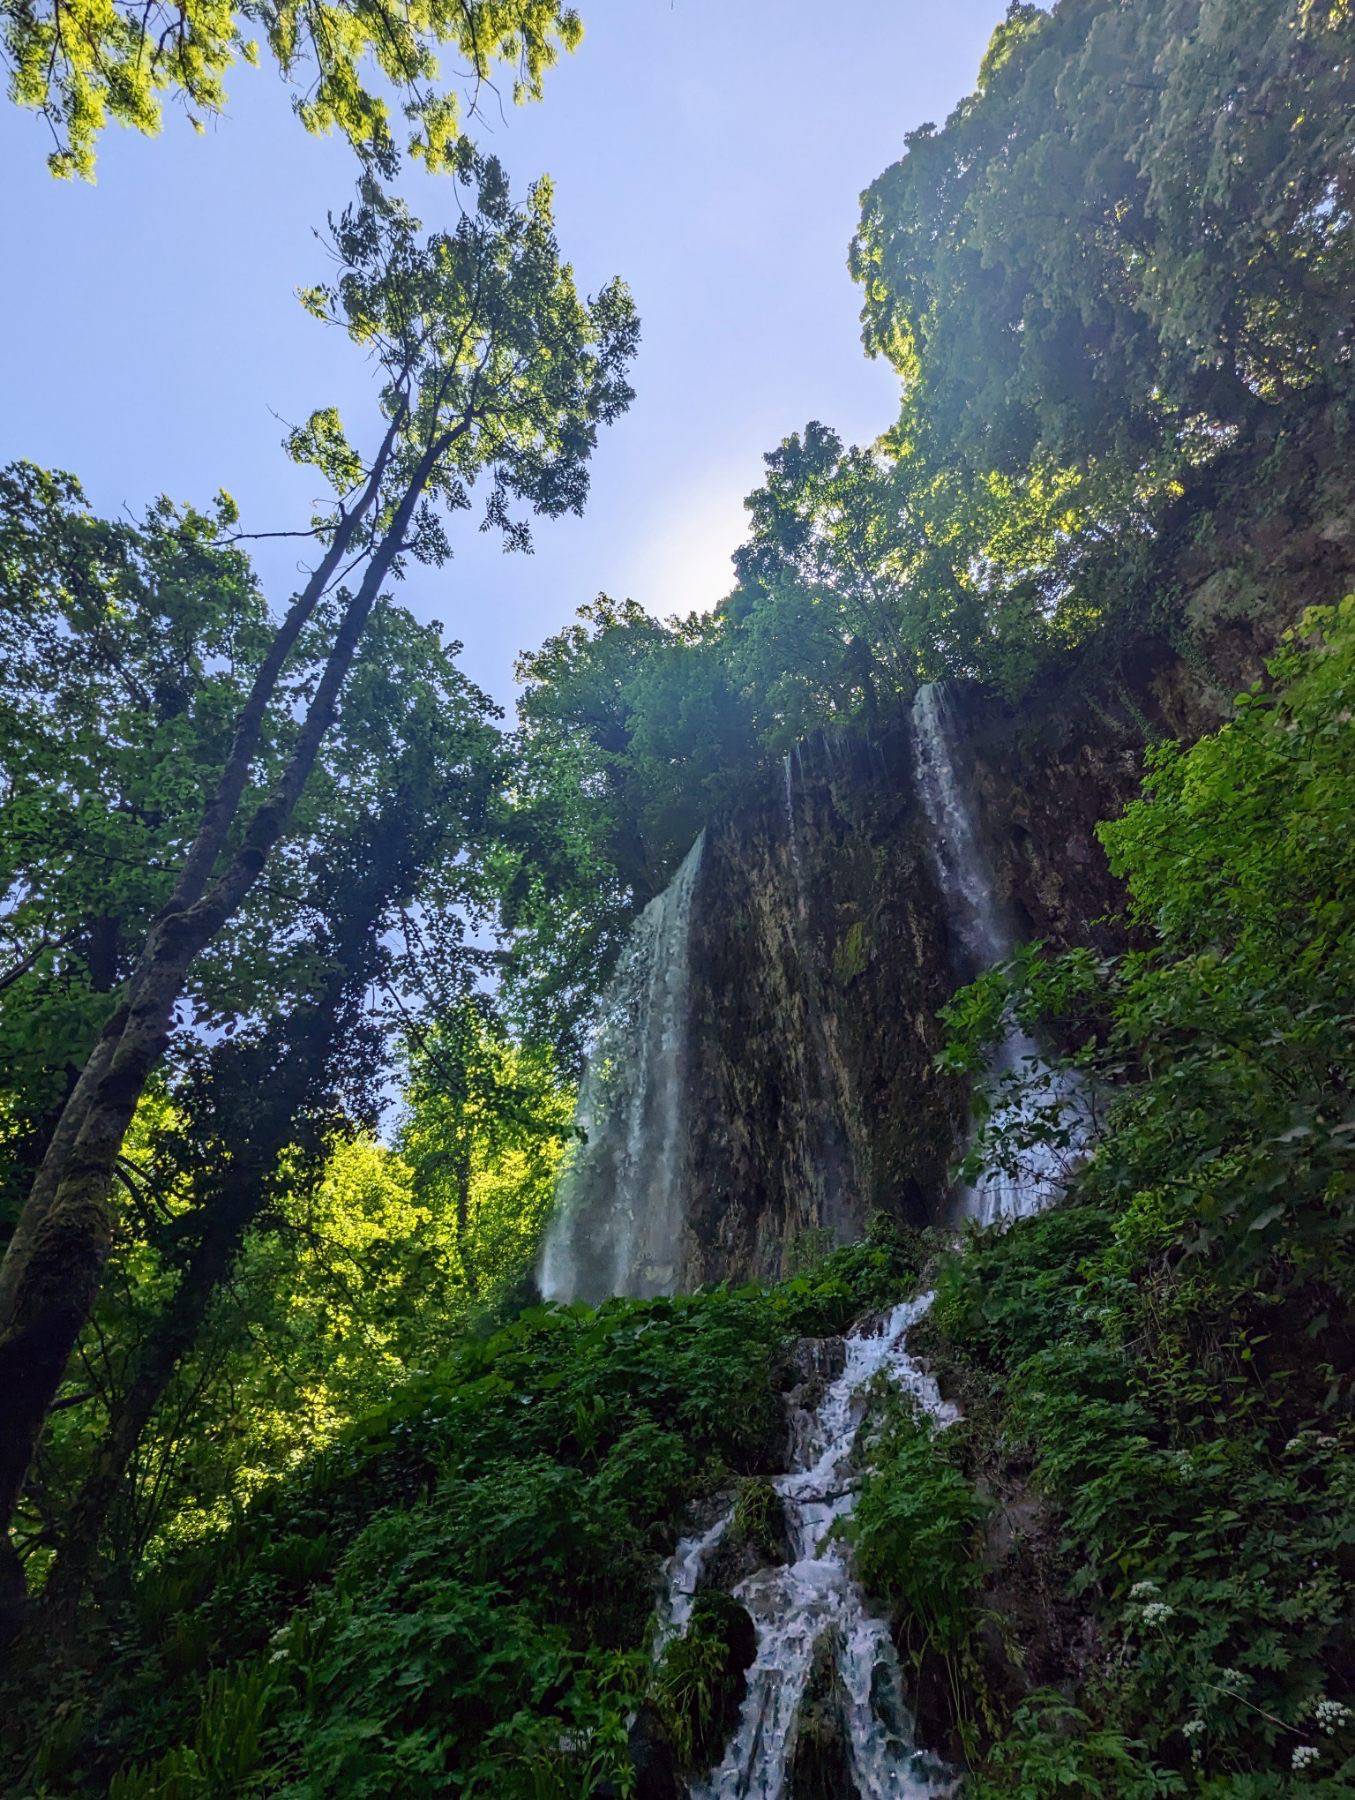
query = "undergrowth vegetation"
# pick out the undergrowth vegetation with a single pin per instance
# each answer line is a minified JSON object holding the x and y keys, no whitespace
{"x":457,"y":1595}
{"x":1163,"y":1360}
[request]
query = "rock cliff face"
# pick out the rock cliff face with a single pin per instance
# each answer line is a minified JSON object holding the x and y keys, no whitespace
{"x":1040,"y":780}
{"x":818,"y":960}
{"x":820,"y":955}
{"x":819,"y":949}
{"x":802,"y":1091}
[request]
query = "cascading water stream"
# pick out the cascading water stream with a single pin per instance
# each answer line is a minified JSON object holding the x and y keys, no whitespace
{"x":621,"y":1197}
{"x":980,"y":924}
{"x":789,"y":768}
{"x":618,"y":1229}
{"x":794,"y":1605}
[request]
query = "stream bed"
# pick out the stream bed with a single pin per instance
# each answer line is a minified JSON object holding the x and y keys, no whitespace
{"x":811,"y":1607}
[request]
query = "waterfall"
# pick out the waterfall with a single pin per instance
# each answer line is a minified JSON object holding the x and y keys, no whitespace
{"x":985,"y":936}
{"x":620,"y":1201}
{"x":790,"y":768}
{"x":814,"y":1600}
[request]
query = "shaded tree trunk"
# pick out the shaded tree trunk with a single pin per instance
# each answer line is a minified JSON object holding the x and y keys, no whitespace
{"x":52,"y":1269}
{"x":273,"y":1088}
{"x":465,"y":1250}
{"x":172,"y":1337}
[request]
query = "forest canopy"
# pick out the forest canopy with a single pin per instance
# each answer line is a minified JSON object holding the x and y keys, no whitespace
{"x":82,"y":65}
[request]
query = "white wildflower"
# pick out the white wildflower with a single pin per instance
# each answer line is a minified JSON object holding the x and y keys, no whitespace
{"x":1305,"y":1756}
{"x":1331,"y":1715}
{"x":1192,"y":1728}
{"x":1157,"y":1612}
{"x":1144,"y":1590}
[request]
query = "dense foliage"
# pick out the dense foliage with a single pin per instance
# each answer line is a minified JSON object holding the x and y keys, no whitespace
{"x":124,"y":651}
{"x":1136,"y":228}
{"x":80,"y":66}
{"x":495,"y":376}
{"x":273,"y":1268}
{"x":458,"y":1592}
{"x":1164,"y":1359}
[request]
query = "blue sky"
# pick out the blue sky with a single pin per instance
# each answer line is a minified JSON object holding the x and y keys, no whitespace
{"x":709,"y":151}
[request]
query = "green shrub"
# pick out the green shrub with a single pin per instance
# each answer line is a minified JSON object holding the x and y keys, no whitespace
{"x":915,"y":1535}
{"x":456,"y":1594}
{"x":1055,"y":1749}
{"x":1168,"y":1349}
{"x":699,"y":1683}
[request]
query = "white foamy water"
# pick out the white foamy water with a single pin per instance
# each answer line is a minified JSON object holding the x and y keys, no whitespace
{"x":795,"y":1605}
{"x":790,"y":769}
{"x":986,"y":937}
{"x":621,"y":1197}
{"x":681,"y":1574}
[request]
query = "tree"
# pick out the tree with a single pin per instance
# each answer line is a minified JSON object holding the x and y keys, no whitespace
{"x":487,"y":1123}
{"x":869,"y":570}
{"x":494,"y":370}
{"x":561,"y":897}
{"x":125,"y":650}
{"x":1137,"y":230}
{"x":651,"y":711}
{"x":578,"y":689}
{"x":255,"y":1117}
{"x":79,"y":65}
{"x":824,"y":519}
{"x":634,"y":732}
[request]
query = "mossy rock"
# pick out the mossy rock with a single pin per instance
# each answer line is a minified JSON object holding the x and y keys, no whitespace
{"x":653,"y":1756}
{"x":758,"y":1536}
{"x":701,"y":1681}
{"x":851,"y":955}
{"x":821,"y":1765}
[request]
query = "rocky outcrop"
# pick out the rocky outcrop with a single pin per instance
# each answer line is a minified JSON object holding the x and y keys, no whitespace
{"x":821,"y":954}
{"x":821,"y":1766}
{"x":758,"y":1536}
{"x":818,"y":961}
{"x":653,"y":1759}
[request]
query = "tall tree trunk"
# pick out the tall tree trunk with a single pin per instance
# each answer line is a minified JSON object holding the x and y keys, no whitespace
{"x":239,"y":1183}
{"x":464,"y":1247}
{"x":172,"y":1337}
{"x":52,"y":1269}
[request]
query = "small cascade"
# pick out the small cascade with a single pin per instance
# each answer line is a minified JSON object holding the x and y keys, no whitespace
{"x":986,"y":937}
{"x":620,"y":1202}
{"x":791,"y":770}
{"x":681,"y":1574}
{"x":813,"y":1602}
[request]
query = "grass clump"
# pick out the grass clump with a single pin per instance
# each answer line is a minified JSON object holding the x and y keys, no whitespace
{"x":758,"y":1517}
{"x":700,"y":1681}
